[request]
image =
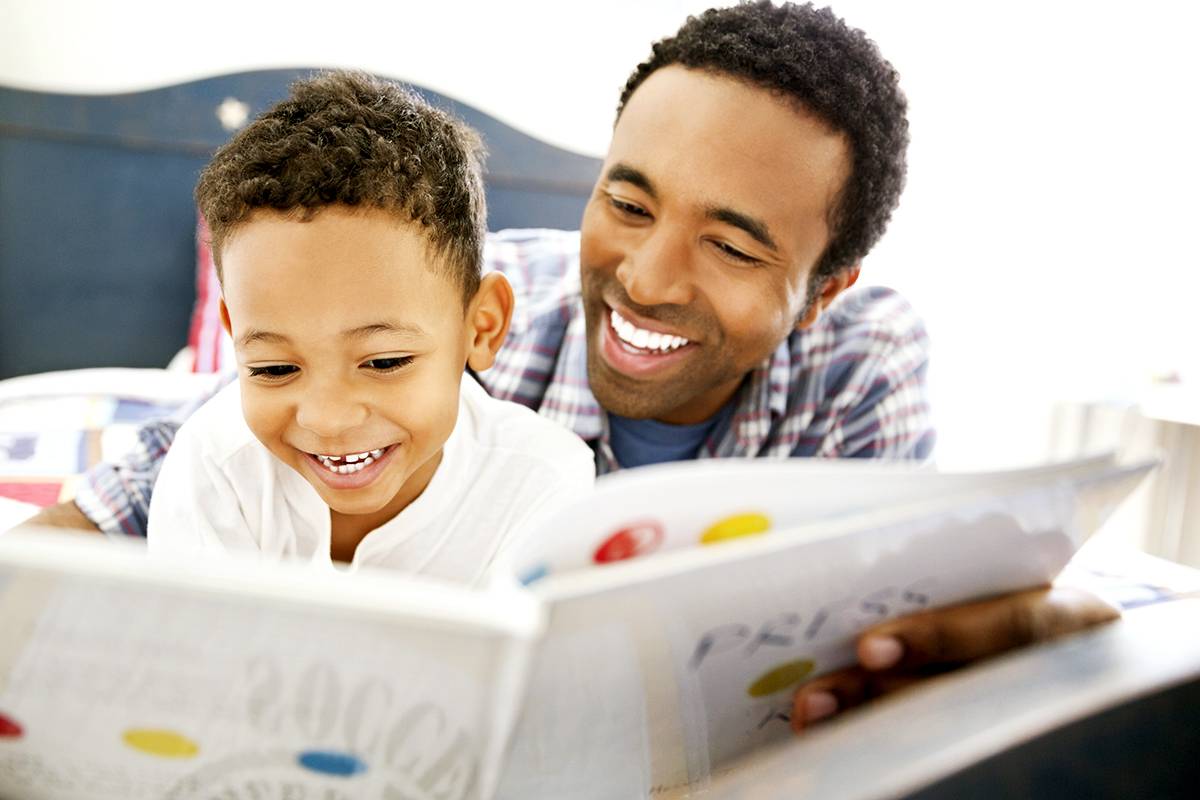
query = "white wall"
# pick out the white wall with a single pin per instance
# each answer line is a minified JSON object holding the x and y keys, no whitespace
{"x":1046,"y":233}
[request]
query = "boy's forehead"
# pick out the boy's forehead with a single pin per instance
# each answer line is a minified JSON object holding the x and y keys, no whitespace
{"x":341,"y":238}
{"x":332,"y":224}
{"x":337,"y":257}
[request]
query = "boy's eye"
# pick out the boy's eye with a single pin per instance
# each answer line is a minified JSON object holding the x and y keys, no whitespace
{"x":273,"y":371}
{"x":388,"y":364}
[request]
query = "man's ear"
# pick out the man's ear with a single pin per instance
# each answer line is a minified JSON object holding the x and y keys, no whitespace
{"x":830,"y":289}
{"x":225,"y":323}
{"x":488,"y":316}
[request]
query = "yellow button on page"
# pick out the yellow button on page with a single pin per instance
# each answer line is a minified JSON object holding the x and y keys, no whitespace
{"x":735,"y":527}
{"x":780,"y":678}
{"x":165,"y":744}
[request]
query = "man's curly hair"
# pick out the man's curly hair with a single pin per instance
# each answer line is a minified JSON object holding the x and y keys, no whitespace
{"x":347,"y":138}
{"x":832,"y":70}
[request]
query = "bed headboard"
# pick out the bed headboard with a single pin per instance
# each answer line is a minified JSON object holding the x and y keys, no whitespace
{"x":97,"y":250}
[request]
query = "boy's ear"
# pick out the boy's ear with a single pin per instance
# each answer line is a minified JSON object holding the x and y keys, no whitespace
{"x":833,"y":286}
{"x":225,"y":323}
{"x":488,"y":316}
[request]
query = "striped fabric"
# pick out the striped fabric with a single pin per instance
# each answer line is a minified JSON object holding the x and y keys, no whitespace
{"x":211,"y":348}
{"x":116,"y":496}
{"x":850,"y":386}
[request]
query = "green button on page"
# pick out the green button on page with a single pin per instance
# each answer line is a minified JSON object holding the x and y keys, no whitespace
{"x":780,"y":678}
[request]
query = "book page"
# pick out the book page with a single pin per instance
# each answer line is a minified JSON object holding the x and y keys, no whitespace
{"x":913,"y":739}
{"x":661,"y":508}
{"x":195,"y":685}
{"x":721,"y":636}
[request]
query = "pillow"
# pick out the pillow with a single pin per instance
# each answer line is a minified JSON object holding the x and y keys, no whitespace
{"x":211,"y":347}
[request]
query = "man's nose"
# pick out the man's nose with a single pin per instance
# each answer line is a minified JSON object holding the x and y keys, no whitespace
{"x":329,"y":411}
{"x":658,"y":271}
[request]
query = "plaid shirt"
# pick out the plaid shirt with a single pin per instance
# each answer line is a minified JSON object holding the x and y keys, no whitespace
{"x":850,"y":386}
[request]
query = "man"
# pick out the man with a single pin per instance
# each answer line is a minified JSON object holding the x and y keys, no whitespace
{"x":757,"y":157}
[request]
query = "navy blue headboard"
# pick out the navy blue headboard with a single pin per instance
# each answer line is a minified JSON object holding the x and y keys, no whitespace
{"x":97,"y":252}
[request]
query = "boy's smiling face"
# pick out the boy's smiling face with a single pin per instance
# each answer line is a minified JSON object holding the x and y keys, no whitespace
{"x":351,"y":339}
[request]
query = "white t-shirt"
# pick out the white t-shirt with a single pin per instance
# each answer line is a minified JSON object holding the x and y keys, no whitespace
{"x":502,"y":469}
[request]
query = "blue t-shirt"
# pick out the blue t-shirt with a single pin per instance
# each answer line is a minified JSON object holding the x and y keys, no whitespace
{"x":638,"y":442}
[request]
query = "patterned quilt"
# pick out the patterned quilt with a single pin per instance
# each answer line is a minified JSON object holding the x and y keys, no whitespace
{"x":56,"y":425}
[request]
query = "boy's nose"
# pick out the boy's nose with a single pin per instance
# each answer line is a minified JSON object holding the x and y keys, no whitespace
{"x":329,"y":414}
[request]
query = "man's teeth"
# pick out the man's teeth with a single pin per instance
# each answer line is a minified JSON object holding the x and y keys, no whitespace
{"x":353,"y":462}
{"x":643,"y":339}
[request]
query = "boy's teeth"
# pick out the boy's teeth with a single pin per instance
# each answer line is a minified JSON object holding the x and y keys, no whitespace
{"x":350,"y":463}
{"x":643,"y":339}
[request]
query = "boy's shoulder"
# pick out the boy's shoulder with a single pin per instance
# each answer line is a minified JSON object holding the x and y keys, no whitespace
{"x":513,"y":432}
{"x":217,"y":430}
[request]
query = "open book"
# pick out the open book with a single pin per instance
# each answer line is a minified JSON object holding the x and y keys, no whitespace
{"x":645,"y":638}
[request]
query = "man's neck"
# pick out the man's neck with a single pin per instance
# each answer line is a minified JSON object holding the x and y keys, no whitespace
{"x":704,"y":407}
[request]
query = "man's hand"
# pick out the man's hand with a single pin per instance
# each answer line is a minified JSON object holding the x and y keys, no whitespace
{"x":904,"y":651}
{"x":62,"y":515}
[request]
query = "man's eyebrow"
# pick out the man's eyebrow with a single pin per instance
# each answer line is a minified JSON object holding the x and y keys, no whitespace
{"x":400,"y":328}
{"x":756,"y":228}
{"x":624,"y":173}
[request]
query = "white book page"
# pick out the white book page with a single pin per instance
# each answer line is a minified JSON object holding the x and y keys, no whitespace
{"x":128,"y":677}
{"x":919,"y":736}
{"x":721,"y":636}
{"x":653,"y":510}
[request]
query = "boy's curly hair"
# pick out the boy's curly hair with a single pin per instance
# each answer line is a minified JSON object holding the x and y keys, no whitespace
{"x":347,"y":138}
{"x":834,"y":71}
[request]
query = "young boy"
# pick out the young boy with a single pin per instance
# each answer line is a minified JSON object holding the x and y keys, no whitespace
{"x":347,"y":226}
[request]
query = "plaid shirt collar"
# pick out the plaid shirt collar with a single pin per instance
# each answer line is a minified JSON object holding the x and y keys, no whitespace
{"x":760,"y":402}
{"x":852,"y":384}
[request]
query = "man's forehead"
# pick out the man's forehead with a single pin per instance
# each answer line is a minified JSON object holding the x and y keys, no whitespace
{"x":714,"y":140}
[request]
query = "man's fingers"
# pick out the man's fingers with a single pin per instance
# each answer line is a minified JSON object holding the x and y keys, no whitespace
{"x":825,"y":696}
{"x":976,"y":630}
{"x":833,"y":693}
{"x":904,"y":651}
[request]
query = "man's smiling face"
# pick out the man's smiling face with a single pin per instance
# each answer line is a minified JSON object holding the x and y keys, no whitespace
{"x":712,"y":209}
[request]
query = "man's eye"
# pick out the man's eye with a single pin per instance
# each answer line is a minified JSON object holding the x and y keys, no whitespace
{"x":734,"y":253}
{"x":628,"y":208}
{"x":388,"y":364}
{"x":273,"y":371}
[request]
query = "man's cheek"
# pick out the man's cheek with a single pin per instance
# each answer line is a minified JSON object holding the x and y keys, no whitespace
{"x":762,"y":316}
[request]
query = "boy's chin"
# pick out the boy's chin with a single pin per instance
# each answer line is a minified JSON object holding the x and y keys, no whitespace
{"x":368,"y":500}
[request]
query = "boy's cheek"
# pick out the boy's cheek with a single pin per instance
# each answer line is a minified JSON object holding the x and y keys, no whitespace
{"x":268,"y":419}
{"x":428,"y":409}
